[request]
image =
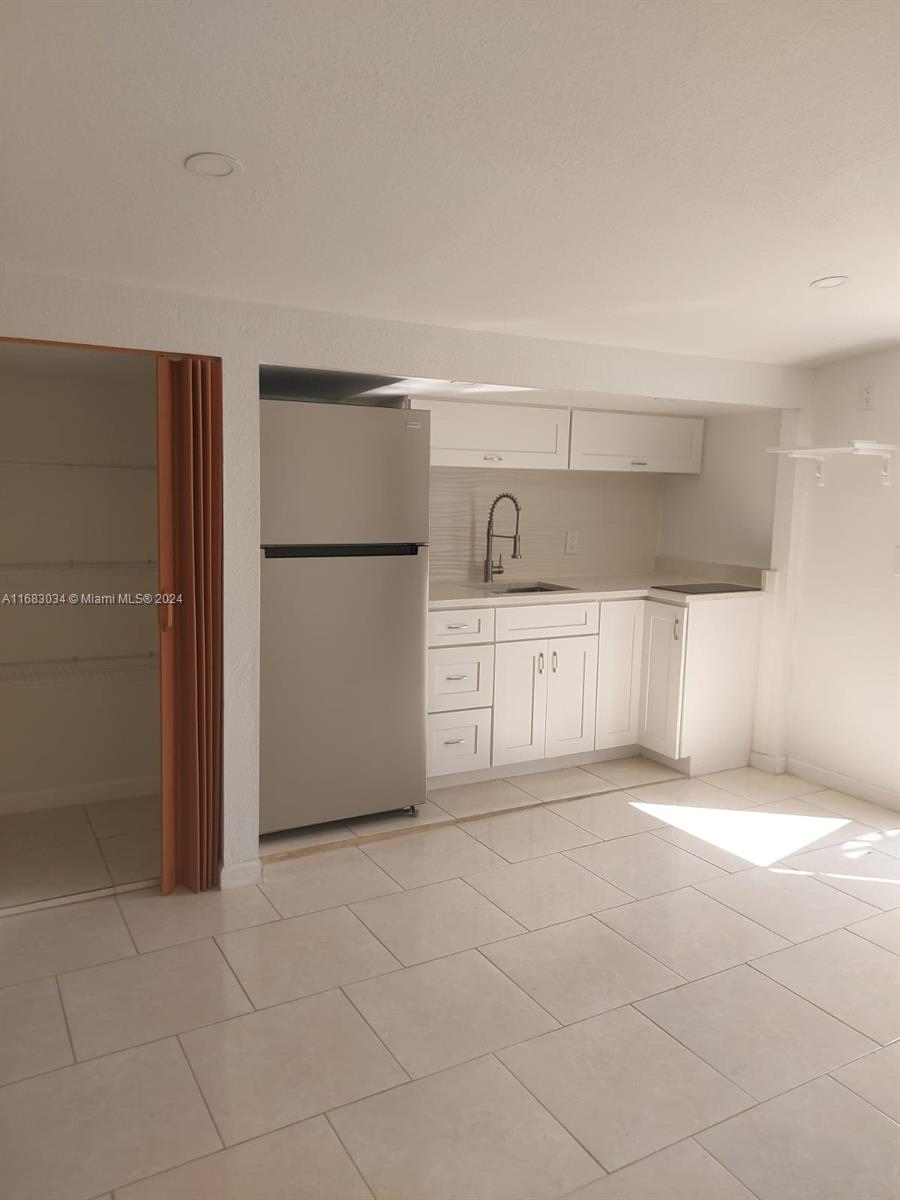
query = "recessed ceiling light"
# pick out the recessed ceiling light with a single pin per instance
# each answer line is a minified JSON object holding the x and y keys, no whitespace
{"x":830,"y":281}
{"x":213,"y":166}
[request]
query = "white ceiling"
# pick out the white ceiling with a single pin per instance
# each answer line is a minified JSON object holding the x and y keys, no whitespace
{"x":667,"y":174}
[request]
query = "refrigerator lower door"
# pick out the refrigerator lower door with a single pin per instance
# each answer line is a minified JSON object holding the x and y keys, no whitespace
{"x":342,"y":686}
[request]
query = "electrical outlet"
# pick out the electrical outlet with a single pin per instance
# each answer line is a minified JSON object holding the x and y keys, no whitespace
{"x":867,"y":400}
{"x":571,"y":542}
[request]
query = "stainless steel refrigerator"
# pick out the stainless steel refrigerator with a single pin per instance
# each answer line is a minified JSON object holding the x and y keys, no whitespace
{"x":344,"y":521}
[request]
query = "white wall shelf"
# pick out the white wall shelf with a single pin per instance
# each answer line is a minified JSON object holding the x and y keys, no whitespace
{"x":881,"y":450}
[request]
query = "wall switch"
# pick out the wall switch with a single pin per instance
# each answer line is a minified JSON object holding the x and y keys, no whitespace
{"x":571,"y":542}
{"x":867,"y":399}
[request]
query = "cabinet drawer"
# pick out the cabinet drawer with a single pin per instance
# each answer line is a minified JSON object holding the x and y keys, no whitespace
{"x":460,"y":677}
{"x":459,"y":741}
{"x":547,"y":620}
{"x":457,"y":627}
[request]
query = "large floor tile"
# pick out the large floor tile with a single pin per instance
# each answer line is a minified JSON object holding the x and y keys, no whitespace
{"x":313,"y":953}
{"x":876,"y":1078}
{"x":819,"y":827}
{"x":44,"y":874}
{"x":701,"y":847}
{"x":694,"y":792}
{"x":544,"y":891}
{"x":316,"y":881}
{"x":757,"y":1033}
{"x":431,"y":856}
{"x":132,"y":857}
{"x":476,"y":799}
{"x":45,"y":827}
{"x":643,"y":865}
{"x":301,"y":839}
{"x":681,"y":1172}
{"x":761,"y":787}
{"x":580,"y":969}
{"x":849,"y":977}
{"x":631,"y":772}
{"x":622,"y":1086}
{"x":61,"y":939}
{"x":429,"y":813}
{"x":528,"y":834}
{"x":873,"y":815}
{"x":795,"y":906}
{"x":883,"y":930}
{"x":691,"y":933}
{"x":612,"y":815}
{"x":137,"y":814}
{"x":272,"y":1068}
{"x":156,"y":921}
{"x":469,"y":1132}
{"x":434,"y":921}
{"x":445,"y":1012}
{"x":818,"y":1142}
{"x":561,"y":784}
{"x":866,"y":874}
{"x":303,"y":1162}
{"x":33,"y":1036}
{"x":86,"y":1129}
{"x":151,"y":996}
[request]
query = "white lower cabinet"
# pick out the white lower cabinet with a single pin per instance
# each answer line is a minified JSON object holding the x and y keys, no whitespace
{"x":459,"y":741}
{"x":662,"y":677}
{"x":619,"y":673}
{"x":544,"y":698}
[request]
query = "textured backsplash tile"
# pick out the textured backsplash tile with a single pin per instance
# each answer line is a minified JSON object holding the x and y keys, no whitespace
{"x":616,"y":517}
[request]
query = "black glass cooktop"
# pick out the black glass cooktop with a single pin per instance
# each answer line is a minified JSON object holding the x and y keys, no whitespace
{"x":703,"y":589}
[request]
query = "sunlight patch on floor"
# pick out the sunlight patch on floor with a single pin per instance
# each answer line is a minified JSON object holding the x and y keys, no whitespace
{"x":760,"y":838}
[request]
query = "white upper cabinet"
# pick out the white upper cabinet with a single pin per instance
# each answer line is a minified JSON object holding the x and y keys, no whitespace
{"x":497,"y":435}
{"x":612,"y":441}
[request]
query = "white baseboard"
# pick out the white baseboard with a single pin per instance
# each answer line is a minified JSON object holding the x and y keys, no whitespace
{"x":235,"y":875}
{"x":511,"y":770}
{"x":775,"y":764}
{"x":844,"y":783}
{"x":81,"y":793}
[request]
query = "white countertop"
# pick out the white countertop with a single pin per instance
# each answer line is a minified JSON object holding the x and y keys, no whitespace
{"x":608,"y":587}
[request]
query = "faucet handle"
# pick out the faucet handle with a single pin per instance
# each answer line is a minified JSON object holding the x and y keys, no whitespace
{"x":498,"y":570}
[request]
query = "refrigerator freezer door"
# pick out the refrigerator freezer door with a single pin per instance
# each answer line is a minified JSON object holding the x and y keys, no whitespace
{"x":342,"y":687}
{"x":333,"y":473}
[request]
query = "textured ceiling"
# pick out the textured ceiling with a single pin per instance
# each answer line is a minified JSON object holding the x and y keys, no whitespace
{"x":667,"y":174}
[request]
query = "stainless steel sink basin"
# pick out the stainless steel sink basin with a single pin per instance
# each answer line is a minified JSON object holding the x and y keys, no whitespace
{"x":523,"y":589}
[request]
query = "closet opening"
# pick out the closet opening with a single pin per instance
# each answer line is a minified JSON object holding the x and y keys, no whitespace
{"x":110,"y":622}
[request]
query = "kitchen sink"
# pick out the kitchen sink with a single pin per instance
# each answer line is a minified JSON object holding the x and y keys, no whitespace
{"x":523,"y":589}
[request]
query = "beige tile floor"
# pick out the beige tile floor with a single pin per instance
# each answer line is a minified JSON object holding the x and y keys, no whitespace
{"x":58,"y":852}
{"x":637,"y":996}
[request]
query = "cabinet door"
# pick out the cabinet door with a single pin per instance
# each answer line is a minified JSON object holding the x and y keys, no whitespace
{"x":571,"y":695}
{"x":619,"y":673}
{"x":520,"y":701}
{"x":608,"y":441}
{"x":497,"y":435}
{"x":662,"y":677}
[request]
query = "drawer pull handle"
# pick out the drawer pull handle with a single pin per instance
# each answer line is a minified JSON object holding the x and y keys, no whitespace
{"x":554,"y":662}
{"x":675,"y":628}
{"x":638,"y":462}
{"x":493,"y":458}
{"x":458,"y":627}
{"x":541,"y":663}
{"x":455,"y":678}
{"x":455,"y":742}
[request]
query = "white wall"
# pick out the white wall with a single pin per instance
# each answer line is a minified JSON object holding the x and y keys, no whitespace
{"x":843,"y":716}
{"x":724,"y":514}
{"x":245,"y":335}
{"x":79,"y":685}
